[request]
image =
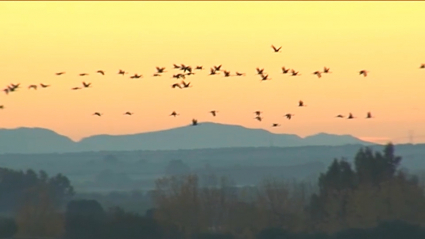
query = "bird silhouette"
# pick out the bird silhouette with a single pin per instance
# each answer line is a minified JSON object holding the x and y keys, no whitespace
{"x":213,"y":72}
{"x":156,"y":74}
{"x":294,"y":73}
{"x":84,"y":74}
{"x":194,"y":122}
{"x":350,"y":116}
{"x":43,"y":85}
{"x":289,"y":116}
{"x":174,"y":114}
{"x":176,"y":66}
{"x":32,"y":87}
{"x":240,"y":74}
{"x":258,"y":118}
{"x":276,"y":49}
{"x":135,"y":76}
{"x":186,"y":85}
{"x":76,"y":88}
{"x":326,"y":70}
{"x":226,"y":73}
{"x":1,"y":106}
{"x":422,"y":66}
{"x":363,"y":72}
{"x":369,"y":115}
{"x":339,"y":116}
{"x":60,"y":73}
{"x":121,"y":72}
{"x":128,"y":113}
{"x":318,"y":73}
{"x":101,"y":72}
{"x":275,"y":125}
{"x":176,"y":85}
{"x":86,"y":85}
{"x":198,"y":68}
{"x":284,"y":70}
{"x":301,"y":104}
{"x":217,"y":68}
{"x":265,"y":77}
{"x":258,"y":113}
{"x":214,"y":112}
{"x":160,"y":69}
{"x":97,"y":113}
{"x":260,"y":71}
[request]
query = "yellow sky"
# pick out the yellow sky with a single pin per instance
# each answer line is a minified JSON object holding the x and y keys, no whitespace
{"x":386,"y":38}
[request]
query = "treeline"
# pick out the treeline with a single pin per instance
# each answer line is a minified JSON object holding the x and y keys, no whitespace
{"x":370,"y":198}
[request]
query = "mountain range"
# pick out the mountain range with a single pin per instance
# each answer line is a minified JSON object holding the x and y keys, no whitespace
{"x":26,"y":140}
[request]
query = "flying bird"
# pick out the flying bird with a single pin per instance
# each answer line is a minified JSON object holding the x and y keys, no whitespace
{"x":176,"y":66}
{"x":213,"y":72}
{"x":217,"y":68}
{"x":32,"y":87}
{"x":213,"y":112}
{"x":84,"y":74}
{"x":326,"y":70}
{"x":160,"y":69}
{"x":258,"y":113}
{"x":276,"y":49}
{"x":275,"y":125}
{"x":128,"y":113}
{"x":258,"y":118}
{"x":422,"y":66}
{"x":240,"y":74}
{"x":285,"y":71}
{"x":198,"y":68}
{"x":86,"y":85}
{"x":135,"y":76}
{"x":301,"y":103}
{"x":43,"y":85}
{"x":226,"y":73}
{"x":76,"y":88}
{"x":97,"y":113}
{"x":1,"y":106}
{"x":101,"y":72}
{"x":265,"y":77}
{"x":121,"y":72}
{"x":186,"y":85}
{"x":260,"y":71}
{"x":363,"y":72}
{"x":339,"y":116}
{"x":289,"y":116}
{"x":60,"y":73}
{"x":176,"y":85}
{"x":318,"y":73}
{"x":173,"y":114}
{"x":350,"y":116}
{"x":294,"y":73}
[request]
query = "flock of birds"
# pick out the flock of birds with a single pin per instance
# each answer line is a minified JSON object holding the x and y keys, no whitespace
{"x":187,"y":71}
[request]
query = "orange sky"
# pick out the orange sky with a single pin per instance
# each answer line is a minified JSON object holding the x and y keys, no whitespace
{"x":386,"y":38}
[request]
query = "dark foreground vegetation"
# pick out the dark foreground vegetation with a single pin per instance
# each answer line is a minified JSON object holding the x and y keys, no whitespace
{"x":368,"y":198}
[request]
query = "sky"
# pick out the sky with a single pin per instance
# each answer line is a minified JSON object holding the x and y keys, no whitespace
{"x":39,"y":39}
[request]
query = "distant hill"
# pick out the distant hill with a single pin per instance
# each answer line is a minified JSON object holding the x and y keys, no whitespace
{"x":205,"y":135}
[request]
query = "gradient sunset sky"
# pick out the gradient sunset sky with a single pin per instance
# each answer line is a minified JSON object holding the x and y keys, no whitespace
{"x":39,"y":39}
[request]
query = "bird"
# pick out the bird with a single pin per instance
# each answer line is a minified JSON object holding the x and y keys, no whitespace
{"x":213,"y":72}
{"x":97,"y":113}
{"x":173,"y":114}
{"x":363,"y":72}
{"x":339,"y":116}
{"x":43,"y":85}
{"x":217,"y":68}
{"x":369,"y":115}
{"x":101,"y":72}
{"x":121,"y":72}
{"x":198,"y":68}
{"x":32,"y":87}
{"x":260,"y":71}
{"x":318,"y":73}
{"x":294,"y":73}
{"x":226,"y":73}
{"x":275,"y":125}
{"x":284,"y":70}
{"x":176,"y":66}
{"x":160,"y":69}
{"x":186,"y":85}
{"x":326,"y":70}
{"x":240,"y":74}
{"x":84,"y":74}
{"x":258,"y":118}
{"x":176,"y":85}
{"x":276,"y":49}
{"x":86,"y":85}
{"x":194,"y":122}
{"x":76,"y":88}
{"x":301,"y":103}
{"x":265,"y":77}
{"x":350,"y":116}
{"x":213,"y":112}
{"x":6,"y":90}
{"x":135,"y":76}
{"x":60,"y":73}
{"x":258,"y":113}
{"x":156,"y":74}
{"x":422,"y":66}
{"x":1,"y":106}
{"x":128,"y":113}
{"x":289,"y":116}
